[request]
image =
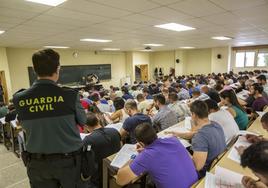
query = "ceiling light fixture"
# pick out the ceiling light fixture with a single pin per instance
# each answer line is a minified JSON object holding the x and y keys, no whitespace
{"x":95,"y":40}
{"x":60,"y":47}
{"x":187,"y":47}
{"x":175,"y":27}
{"x":1,"y":32}
{"x":222,"y":38}
{"x":154,"y":45}
{"x":53,"y":3}
{"x":111,"y":49}
{"x":246,"y":43}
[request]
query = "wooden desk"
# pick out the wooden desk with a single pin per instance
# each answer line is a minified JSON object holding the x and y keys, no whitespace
{"x":227,"y":163}
{"x":14,"y":131}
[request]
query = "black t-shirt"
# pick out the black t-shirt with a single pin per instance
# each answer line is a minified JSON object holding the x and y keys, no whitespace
{"x":104,"y":142}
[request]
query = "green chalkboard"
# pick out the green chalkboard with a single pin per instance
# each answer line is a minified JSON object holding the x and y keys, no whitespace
{"x":73,"y":74}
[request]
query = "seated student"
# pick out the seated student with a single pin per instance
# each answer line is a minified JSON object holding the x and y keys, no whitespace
{"x":209,"y":141}
{"x":260,"y":102}
{"x":143,"y":103}
{"x":223,"y":118}
{"x":126,"y":94}
{"x":165,"y":117}
{"x":165,"y":160}
{"x":12,"y":113}
{"x":229,"y":99}
{"x":211,"y":93}
{"x":3,"y":110}
{"x":255,"y":157}
{"x":180,"y":109}
{"x":135,"y":91}
{"x":119,"y":115}
{"x":102,"y":107}
{"x":262,"y":80}
{"x":197,"y":95}
{"x":146,"y":94}
{"x":103,"y":141}
{"x":133,"y":121}
{"x":183,"y":94}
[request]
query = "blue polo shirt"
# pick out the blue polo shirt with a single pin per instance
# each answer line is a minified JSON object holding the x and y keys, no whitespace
{"x":132,"y":122}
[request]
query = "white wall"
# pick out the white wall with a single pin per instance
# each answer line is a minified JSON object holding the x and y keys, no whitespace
{"x":164,"y":60}
{"x":4,"y":67}
{"x":19,"y":59}
{"x":219,"y":65}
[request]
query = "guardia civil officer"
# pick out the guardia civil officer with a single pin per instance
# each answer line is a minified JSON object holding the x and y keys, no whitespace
{"x":49,"y":115}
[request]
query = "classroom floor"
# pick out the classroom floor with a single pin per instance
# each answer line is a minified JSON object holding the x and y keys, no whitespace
{"x":12,"y":171}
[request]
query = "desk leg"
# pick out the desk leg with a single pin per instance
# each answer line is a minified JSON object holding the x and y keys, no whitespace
{"x":105,"y":178}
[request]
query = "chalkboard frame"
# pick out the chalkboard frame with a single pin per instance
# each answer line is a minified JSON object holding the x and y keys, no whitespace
{"x":96,"y":68}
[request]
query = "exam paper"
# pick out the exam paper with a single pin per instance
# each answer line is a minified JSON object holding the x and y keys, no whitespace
{"x":260,"y":113}
{"x":223,"y":178}
{"x":116,"y":126}
{"x":124,"y":155}
{"x":3,"y":120}
{"x":233,"y":155}
{"x":83,"y":135}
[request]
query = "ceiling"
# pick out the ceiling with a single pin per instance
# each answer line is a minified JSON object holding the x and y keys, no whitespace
{"x":129,"y":23}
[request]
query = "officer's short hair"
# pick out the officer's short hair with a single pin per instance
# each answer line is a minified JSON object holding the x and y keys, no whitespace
{"x":92,"y":119}
{"x":46,"y":62}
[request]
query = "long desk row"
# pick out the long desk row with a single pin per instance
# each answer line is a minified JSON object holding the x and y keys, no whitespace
{"x":229,"y":164}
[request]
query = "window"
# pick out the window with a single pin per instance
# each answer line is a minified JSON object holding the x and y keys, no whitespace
{"x":245,"y":59}
{"x":239,"y":59}
{"x":249,"y":60}
{"x":262,"y":59}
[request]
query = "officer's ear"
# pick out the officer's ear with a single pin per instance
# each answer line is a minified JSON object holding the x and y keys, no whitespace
{"x":58,"y":70}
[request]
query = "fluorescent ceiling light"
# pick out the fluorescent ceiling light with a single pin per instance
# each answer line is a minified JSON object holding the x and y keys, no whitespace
{"x":246,"y":43}
{"x":1,"y":32}
{"x":155,"y":45}
{"x":61,"y":47}
{"x":95,"y":40}
{"x":111,"y":49}
{"x":222,"y":38}
{"x":175,"y":27}
{"x":53,"y":3}
{"x":187,"y":47}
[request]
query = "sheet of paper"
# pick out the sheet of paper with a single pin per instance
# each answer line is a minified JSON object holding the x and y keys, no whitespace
{"x":188,"y":123}
{"x":233,"y":155}
{"x":83,"y":135}
{"x":3,"y":120}
{"x":243,"y":133}
{"x":116,"y":126}
{"x":223,"y":178}
{"x":260,"y":113}
{"x":124,"y":155}
{"x":13,"y":123}
{"x":243,"y":94}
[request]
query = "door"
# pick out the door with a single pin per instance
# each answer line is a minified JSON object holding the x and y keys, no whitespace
{"x":4,"y":87}
{"x":144,"y":72}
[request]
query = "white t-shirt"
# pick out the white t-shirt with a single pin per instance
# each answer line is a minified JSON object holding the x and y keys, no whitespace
{"x":226,"y":120}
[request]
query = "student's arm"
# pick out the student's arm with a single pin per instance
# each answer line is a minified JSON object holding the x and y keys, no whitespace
{"x":123,"y":133}
{"x":199,"y":158}
{"x":125,"y":129}
{"x":125,"y":175}
{"x":187,"y":136}
{"x":116,"y":115}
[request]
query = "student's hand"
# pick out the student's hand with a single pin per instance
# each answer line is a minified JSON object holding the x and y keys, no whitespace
{"x":139,"y":147}
{"x":173,"y":133}
{"x":248,"y":182}
{"x":240,"y":149}
{"x":253,"y":138}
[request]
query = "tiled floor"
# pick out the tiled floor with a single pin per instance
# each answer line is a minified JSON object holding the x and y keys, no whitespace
{"x":12,"y":171}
